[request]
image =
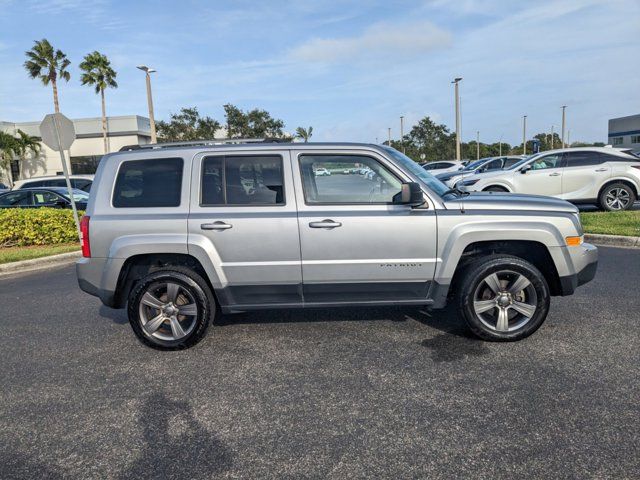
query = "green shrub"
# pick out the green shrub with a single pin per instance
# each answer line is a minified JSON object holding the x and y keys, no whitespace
{"x":20,"y":227}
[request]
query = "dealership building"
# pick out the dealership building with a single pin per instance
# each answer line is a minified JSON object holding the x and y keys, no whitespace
{"x":87,"y":149}
{"x":624,"y":132}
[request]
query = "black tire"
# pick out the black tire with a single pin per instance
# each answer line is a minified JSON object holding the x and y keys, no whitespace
{"x":616,"y":191}
{"x":191,"y":287}
{"x":496,"y":188}
{"x":473,"y":281}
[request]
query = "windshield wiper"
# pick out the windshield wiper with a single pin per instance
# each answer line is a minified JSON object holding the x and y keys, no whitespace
{"x":456,"y":191}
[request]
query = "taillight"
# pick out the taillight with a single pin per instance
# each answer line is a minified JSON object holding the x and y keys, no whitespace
{"x":84,"y":234}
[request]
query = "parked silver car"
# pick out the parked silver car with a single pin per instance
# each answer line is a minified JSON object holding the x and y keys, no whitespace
{"x":602,"y":176}
{"x":173,"y":234}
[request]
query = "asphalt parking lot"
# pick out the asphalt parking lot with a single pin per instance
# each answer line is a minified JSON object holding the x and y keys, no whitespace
{"x":347,"y":393}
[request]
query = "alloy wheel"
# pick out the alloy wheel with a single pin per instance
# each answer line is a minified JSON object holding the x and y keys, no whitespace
{"x":505,"y":301}
{"x":167,"y":311}
{"x":617,"y":198}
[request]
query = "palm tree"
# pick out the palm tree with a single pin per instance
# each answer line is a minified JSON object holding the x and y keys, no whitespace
{"x":47,"y":65}
{"x":7,"y":152}
{"x":25,"y":144}
{"x":303,"y":133}
{"x":98,"y":72}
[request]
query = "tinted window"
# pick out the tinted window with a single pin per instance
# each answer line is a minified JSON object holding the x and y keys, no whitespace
{"x":16,"y":199}
{"x":149,"y":183}
{"x":492,"y":165}
{"x":510,"y":162}
{"x":38,"y":183}
{"x":583,"y":159}
{"x":58,"y":182}
{"x":346,"y":184}
{"x":81,"y":184}
{"x":242,"y":180}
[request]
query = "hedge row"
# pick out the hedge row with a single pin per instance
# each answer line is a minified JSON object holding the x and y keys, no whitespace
{"x":21,"y":227}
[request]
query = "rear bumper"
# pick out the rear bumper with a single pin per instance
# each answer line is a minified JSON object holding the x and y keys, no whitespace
{"x":585,"y":262}
{"x":96,"y":278}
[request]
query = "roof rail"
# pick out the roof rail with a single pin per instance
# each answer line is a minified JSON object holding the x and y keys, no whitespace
{"x":201,"y":143}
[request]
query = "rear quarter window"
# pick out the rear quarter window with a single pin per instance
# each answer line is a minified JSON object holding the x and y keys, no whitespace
{"x":149,"y":183}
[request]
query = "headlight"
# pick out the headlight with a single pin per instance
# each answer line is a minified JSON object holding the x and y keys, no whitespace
{"x":468,"y":183}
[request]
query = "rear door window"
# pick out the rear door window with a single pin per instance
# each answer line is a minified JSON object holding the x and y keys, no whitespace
{"x":149,"y":183}
{"x":242,"y":180}
{"x":584,"y":159}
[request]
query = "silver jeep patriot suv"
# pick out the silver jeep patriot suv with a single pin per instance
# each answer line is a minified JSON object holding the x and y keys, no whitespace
{"x":179,"y":233}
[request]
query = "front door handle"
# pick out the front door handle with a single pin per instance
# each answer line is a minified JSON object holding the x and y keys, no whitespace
{"x":216,"y":226}
{"x":554,"y":174}
{"x":601,"y":169}
{"x":325,"y":224}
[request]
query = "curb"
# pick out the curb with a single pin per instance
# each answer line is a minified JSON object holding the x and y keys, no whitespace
{"x":612,"y":240}
{"x":38,"y":263}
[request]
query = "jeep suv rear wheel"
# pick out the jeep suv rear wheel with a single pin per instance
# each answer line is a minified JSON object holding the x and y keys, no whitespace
{"x":503,"y":298}
{"x":171,"y":309}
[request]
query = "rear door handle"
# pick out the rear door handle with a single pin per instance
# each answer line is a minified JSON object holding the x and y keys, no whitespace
{"x":554,"y":174}
{"x":216,"y":226}
{"x":325,"y":224}
{"x":601,"y":169}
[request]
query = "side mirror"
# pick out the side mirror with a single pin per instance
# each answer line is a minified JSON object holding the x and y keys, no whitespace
{"x":410,"y":194}
{"x":525,"y":169}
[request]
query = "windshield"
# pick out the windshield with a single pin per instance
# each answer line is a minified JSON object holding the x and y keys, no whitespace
{"x":78,"y":196}
{"x":519,"y":163}
{"x":475,"y":164}
{"x":432,"y":182}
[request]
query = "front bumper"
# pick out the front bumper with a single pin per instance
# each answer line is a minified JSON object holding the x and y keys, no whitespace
{"x":585,"y":264}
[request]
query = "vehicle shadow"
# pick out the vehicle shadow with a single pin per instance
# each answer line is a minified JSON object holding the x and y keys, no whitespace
{"x":455,"y":341}
{"x":175,"y":443}
{"x":118,"y":316}
{"x":17,"y":465}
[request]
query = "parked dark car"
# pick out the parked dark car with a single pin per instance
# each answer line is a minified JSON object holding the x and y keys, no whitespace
{"x":52,"y":197}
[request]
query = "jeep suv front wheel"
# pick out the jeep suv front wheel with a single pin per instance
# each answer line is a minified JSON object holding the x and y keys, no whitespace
{"x":503,"y":298}
{"x":171,"y":309}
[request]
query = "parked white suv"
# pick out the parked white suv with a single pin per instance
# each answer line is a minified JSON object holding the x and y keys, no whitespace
{"x":604,"y":176}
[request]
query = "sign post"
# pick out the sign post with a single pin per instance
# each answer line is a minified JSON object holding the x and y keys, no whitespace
{"x":58,"y":134}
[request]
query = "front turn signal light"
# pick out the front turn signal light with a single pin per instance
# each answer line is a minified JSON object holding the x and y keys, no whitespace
{"x":574,"y":241}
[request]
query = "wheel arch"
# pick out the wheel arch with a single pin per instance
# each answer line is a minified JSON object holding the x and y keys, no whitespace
{"x":626,"y":181}
{"x":138,"y":266}
{"x":534,"y":252}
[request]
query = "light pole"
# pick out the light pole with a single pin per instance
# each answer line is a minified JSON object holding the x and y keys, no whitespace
{"x":524,"y":134}
{"x":564,"y":107}
{"x":402,"y":133}
{"x":152,"y":121}
{"x":457,"y":95}
{"x":500,"y":146}
{"x":389,"y":129}
{"x":551,"y":137}
{"x":478,"y":145}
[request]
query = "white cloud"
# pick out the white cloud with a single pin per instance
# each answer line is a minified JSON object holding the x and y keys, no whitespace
{"x":379,"y":41}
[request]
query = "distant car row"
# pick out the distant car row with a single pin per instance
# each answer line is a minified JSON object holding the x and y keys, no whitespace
{"x":81,"y":182}
{"x":52,"y":197}
{"x":603,"y":176}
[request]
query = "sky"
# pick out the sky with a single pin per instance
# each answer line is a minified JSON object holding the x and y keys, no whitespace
{"x":348,"y":68}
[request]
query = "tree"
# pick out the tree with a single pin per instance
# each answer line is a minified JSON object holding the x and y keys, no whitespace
{"x":428,"y":141}
{"x":187,"y":125}
{"x":99,"y":74}
{"x":8,"y":149}
{"x":48,"y":65}
{"x":304,"y":134}
{"x":255,"y":123}
{"x":25,"y":144}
